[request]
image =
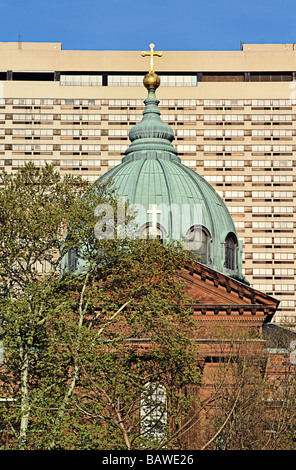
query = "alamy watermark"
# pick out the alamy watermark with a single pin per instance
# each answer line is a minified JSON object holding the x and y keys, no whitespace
{"x":136,"y":221}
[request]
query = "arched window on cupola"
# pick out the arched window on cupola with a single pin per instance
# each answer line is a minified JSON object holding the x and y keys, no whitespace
{"x":199,"y":241}
{"x":231,"y":246}
{"x":147,"y":231}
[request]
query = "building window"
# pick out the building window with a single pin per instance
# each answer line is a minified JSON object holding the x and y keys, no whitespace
{"x":118,"y":132}
{"x":191,"y":163}
{"x":262,"y":272}
{"x":261,"y":132}
{"x":153,"y":413}
{"x":91,"y":117}
{"x":236,"y":209}
{"x":125,"y":80}
{"x":70,"y":132}
{"x":44,"y":102}
{"x":261,"y":117}
{"x":261,"y":178}
{"x":91,"y":132}
{"x":284,"y":241}
{"x":70,"y":117}
{"x":233,"y":163}
{"x":81,"y":80}
{"x":283,"y":178}
{"x":234,"y":103}
{"x":113,"y":162}
{"x":43,"y":132}
{"x":22,"y":132}
{"x":22,"y":117}
{"x":42,"y":148}
{"x":234,"y":133}
{"x":213,"y":117}
{"x":263,"y":287}
{"x":70,"y":102}
{"x":261,"y":148}
{"x":148,"y":231}
{"x":212,"y":133}
{"x":285,"y":209}
{"x":282,"y":132}
{"x":261,"y":103}
{"x":90,"y":163}
{"x":262,"y":240}
{"x":284,"y":256}
{"x":178,"y":80}
{"x":186,"y":117}
{"x":21,"y":148}
{"x":234,"y":117}
{"x":208,"y":163}
{"x":199,"y":241}
{"x":72,"y":259}
{"x":43,"y":117}
{"x":136,"y":102}
{"x":262,"y":225}
{"x":231,"y":252}
{"x":186,"y":148}
{"x":283,"y":224}
{"x":118,"y":102}
{"x":117,"y":148}
{"x":90,"y":148}
{"x":284,"y":272}
{"x":70,"y":148}
{"x":261,"y":194}
{"x":118,"y":117}
{"x":234,"y":194}
{"x":186,"y":102}
{"x":214,"y":178}
{"x":261,"y":209}
{"x":74,"y":163}
{"x":213,"y":148}
{"x":282,"y":117}
{"x":262,"y":255}
{"x":282,"y":163}
{"x":234,"y":178}
{"x":213,"y":103}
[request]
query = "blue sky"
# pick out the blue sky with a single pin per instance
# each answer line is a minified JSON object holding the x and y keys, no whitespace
{"x":132,"y":25}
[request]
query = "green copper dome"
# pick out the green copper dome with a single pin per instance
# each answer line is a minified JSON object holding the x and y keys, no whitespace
{"x":172,"y":200}
{"x":152,"y":178}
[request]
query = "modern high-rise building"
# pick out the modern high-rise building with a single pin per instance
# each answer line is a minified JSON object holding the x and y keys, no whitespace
{"x":233,"y":114}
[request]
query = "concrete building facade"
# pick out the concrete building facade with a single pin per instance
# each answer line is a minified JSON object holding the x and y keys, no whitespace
{"x":233,"y":114}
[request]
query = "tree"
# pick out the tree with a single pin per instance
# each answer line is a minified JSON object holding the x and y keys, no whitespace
{"x":119,"y":335}
{"x":35,"y":208}
{"x":87,"y":353}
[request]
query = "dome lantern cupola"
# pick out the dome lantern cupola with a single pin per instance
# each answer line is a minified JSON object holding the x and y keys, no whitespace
{"x":151,"y":133}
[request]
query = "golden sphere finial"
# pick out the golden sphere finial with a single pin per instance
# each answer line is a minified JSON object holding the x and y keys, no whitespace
{"x":151,"y":80}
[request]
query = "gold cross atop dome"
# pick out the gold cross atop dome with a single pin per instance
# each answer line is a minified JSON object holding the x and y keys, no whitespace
{"x":151,"y":80}
{"x":152,"y":54}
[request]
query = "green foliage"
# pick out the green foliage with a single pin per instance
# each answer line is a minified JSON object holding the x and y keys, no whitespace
{"x":80,"y":350}
{"x":118,"y":351}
